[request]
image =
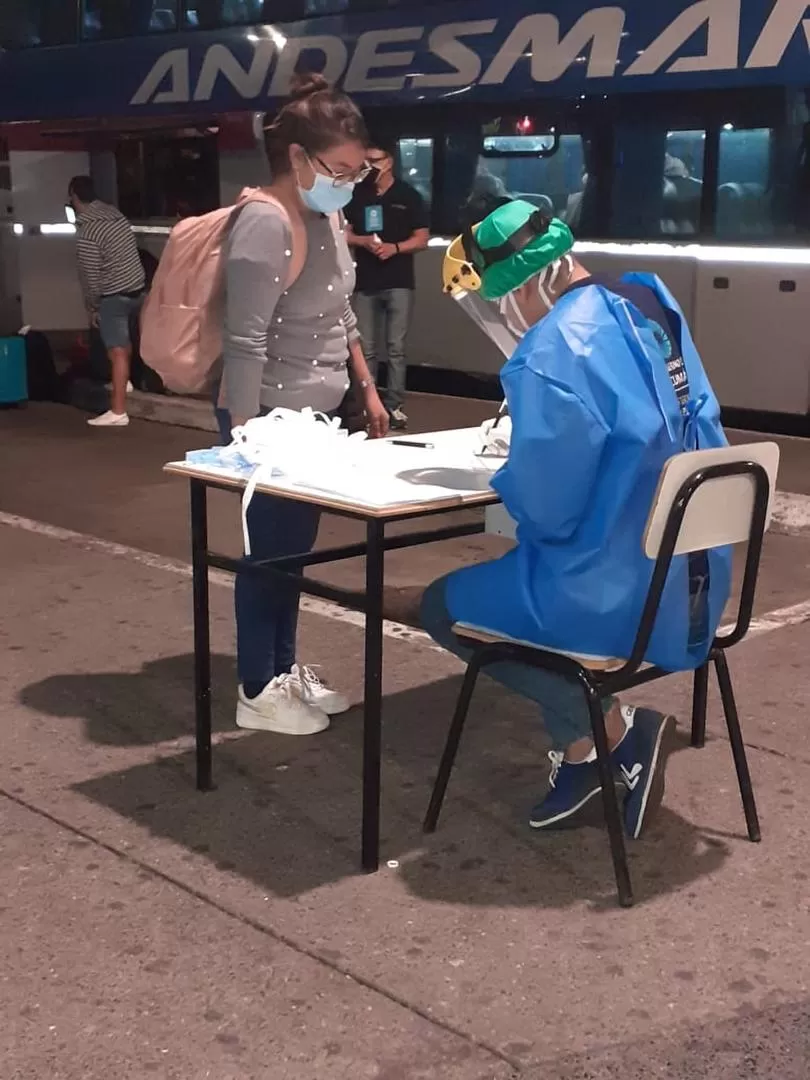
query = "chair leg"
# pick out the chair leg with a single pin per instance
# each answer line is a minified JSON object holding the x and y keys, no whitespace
{"x":451,"y":746}
{"x":609,"y":799}
{"x":737,"y":746}
{"x":700,"y":695}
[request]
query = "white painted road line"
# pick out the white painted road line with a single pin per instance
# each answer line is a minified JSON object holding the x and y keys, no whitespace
{"x":794,"y":615}
{"x":791,"y":513}
{"x":216,"y":577}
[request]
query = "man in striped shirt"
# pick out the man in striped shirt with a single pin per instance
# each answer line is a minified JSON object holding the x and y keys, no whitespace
{"x":112,"y":280}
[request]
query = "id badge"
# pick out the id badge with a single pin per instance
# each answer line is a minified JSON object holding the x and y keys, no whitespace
{"x":374,"y":219}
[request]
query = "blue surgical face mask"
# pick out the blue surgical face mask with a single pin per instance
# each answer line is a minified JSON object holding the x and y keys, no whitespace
{"x":324,"y":197}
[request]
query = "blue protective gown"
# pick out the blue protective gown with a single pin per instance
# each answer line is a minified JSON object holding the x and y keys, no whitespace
{"x":594,"y":418}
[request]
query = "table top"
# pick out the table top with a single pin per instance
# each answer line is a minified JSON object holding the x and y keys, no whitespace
{"x":388,"y":480}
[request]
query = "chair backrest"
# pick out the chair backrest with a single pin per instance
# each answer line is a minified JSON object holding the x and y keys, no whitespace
{"x":721,"y":510}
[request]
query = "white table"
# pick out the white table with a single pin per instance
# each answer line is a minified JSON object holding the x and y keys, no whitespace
{"x":391,"y":482}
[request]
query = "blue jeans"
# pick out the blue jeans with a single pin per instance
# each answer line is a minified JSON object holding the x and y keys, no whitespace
{"x":565,"y":713}
{"x":384,"y":318}
{"x":267,"y":611}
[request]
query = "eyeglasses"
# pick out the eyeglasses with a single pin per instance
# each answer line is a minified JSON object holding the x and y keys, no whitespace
{"x":341,"y":179}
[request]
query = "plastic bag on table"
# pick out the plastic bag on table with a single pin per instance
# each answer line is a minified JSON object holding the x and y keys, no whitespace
{"x":495,"y":435}
{"x":286,"y":442}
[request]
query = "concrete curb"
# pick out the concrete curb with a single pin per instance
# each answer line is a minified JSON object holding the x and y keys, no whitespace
{"x":171,"y":409}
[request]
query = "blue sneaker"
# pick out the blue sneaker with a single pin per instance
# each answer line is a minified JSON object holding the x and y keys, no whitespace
{"x":571,"y":787}
{"x":641,"y":763}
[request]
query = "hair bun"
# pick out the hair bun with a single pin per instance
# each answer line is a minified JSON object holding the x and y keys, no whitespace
{"x":306,"y":83}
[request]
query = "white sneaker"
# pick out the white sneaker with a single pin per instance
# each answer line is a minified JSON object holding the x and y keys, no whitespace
{"x":130,"y":387}
{"x":314,"y":692}
{"x":280,"y":708}
{"x":109,"y":419}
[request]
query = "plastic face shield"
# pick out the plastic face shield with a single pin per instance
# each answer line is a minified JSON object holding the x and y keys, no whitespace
{"x":488,"y":318}
{"x":461,"y":281}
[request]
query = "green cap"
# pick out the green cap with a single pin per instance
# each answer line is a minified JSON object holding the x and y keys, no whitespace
{"x":526,"y":259}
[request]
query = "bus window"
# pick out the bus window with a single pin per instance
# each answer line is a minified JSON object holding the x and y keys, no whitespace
{"x":163,"y":17}
{"x":324,"y":7}
{"x":18,"y":27}
{"x":332,"y":7}
{"x":554,"y":183}
{"x":415,"y":165}
{"x":167,"y":177}
{"x":210,"y":14}
{"x":743,"y":183}
{"x":657,"y":187}
{"x":124,"y":18}
{"x":24,"y":23}
{"x":683,"y":182}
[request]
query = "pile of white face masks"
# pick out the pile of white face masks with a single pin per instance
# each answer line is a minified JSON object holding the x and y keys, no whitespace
{"x":290,"y":443}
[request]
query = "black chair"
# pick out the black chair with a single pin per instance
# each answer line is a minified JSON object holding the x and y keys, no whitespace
{"x":705,"y":499}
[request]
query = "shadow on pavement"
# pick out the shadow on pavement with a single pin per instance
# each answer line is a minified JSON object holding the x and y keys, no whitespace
{"x":286,"y":812}
{"x":152,"y":705}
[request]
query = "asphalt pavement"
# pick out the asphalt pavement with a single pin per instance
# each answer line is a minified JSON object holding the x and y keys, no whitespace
{"x":148,"y":930}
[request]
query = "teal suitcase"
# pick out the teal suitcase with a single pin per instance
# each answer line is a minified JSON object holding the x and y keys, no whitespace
{"x":13,"y":375}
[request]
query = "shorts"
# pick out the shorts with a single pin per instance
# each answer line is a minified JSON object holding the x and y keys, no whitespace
{"x":114,"y":319}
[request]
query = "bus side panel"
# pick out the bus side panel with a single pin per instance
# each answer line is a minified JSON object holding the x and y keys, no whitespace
{"x":679,"y":274}
{"x":51,"y":296}
{"x":752,"y":332}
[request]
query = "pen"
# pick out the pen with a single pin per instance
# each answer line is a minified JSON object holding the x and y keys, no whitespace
{"x":410,"y":442}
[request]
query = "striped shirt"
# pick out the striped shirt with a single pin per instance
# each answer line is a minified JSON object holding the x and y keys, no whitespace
{"x":109,"y":262}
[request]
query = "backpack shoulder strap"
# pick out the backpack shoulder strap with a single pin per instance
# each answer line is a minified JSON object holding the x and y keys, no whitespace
{"x":298,"y":232}
{"x":338,"y":223}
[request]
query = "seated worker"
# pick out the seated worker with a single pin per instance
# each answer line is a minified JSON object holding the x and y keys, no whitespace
{"x":603,"y":387}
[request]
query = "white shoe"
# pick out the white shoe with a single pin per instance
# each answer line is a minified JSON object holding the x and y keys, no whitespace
{"x":130,"y":387}
{"x":280,"y":708}
{"x":109,"y":419}
{"x":314,"y":692}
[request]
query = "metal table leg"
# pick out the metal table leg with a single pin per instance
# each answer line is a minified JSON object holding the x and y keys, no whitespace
{"x":372,"y":708}
{"x":202,"y":640}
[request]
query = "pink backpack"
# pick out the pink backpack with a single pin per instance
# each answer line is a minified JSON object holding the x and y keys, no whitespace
{"x":181,"y":320}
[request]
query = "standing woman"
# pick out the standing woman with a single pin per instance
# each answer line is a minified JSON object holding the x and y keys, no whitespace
{"x":292,"y":347}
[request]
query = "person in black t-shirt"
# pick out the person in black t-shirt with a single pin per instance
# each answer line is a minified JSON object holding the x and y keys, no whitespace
{"x":388,"y":222}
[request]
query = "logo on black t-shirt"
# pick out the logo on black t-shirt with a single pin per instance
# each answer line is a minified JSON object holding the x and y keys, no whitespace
{"x":675,"y":365}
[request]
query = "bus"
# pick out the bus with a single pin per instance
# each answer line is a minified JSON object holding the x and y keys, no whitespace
{"x":674,"y":137}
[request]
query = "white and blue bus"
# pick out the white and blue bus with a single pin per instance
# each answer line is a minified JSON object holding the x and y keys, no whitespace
{"x":672,"y":136}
